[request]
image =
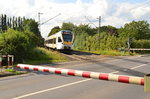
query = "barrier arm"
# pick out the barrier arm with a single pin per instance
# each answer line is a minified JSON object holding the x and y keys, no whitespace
{"x":88,"y":74}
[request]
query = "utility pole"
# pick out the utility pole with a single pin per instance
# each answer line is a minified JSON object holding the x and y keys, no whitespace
{"x":99,"y":31}
{"x":129,"y":43}
{"x":39,"y":21}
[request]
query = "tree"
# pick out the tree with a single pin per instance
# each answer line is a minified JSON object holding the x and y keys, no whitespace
{"x":4,"y":22}
{"x":135,"y":29}
{"x":109,"y":30}
{"x":80,"y":41}
{"x":31,"y":26}
{"x":54,"y":30}
{"x":84,"y":28}
{"x":68,"y":26}
{"x":17,"y":43}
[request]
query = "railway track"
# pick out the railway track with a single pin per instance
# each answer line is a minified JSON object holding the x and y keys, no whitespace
{"x":82,"y":58}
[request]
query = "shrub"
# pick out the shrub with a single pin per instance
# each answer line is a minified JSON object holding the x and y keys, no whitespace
{"x":17,"y":43}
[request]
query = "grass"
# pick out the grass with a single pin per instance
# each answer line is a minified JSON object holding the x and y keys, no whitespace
{"x":42,"y":56}
{"x":112,"y":53}
{"x":13,"y":71}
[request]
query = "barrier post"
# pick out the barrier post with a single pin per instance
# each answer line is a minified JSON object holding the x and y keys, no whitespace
{"x":8,"y":60}
{"x":147,"y":83}
{"x":12,"y":61}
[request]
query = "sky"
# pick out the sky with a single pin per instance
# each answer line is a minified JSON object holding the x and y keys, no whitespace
{"x":113,"y":12}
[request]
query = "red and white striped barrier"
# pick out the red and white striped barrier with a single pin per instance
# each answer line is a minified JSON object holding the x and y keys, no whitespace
{"x":8,"y":59}
{"x":86,"y":74}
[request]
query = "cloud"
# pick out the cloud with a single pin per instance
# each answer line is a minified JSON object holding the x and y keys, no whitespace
{"x":113,"y":13}
{"x":140,"y":12}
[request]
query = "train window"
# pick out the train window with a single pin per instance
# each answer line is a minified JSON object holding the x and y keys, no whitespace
{"x":49,"y":41}
{"x":59,"y":39}
{"x":67,"y":37}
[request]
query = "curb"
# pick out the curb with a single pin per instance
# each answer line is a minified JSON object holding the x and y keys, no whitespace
{"x":7,"y":74}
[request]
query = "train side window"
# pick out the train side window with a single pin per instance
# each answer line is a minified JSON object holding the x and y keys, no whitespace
{"x":59,"y":39}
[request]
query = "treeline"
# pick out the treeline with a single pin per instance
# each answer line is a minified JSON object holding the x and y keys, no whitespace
{"x":15,"y":23}
{"x":136,"y":33}
{"x":19,"y":36}
{"x":19,"y":24}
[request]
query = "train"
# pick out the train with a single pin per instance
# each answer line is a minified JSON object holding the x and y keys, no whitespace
{"x":62,"y":40}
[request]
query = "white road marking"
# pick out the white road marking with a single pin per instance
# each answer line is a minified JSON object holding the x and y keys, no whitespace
{"x":114,"y":72}
{"x":138,"y":66}
{"x":77,"y":82}
{"x":52,"y":88}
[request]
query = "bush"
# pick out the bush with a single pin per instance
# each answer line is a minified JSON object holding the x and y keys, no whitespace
{"x":141,"y":44}
{"x":17,"y":43}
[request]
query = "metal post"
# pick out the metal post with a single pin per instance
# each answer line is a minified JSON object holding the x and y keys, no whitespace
{"x":8,"y":61}
{"x":99,"y":31}
{"x":12,"y":60}
{"x":39,"y":21}
{"x":128,"y":44}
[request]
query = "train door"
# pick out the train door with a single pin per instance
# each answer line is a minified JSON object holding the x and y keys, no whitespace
{"x":59,"y":43}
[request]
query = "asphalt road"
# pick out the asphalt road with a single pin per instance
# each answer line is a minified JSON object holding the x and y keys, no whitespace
{"x":39,"y":85}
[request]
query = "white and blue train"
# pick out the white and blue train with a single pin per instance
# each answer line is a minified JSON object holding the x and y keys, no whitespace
{"x":62,"y":40}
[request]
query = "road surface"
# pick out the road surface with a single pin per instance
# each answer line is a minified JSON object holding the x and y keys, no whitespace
{"x":38,"y":85}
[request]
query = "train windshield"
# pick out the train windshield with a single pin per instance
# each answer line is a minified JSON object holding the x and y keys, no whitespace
{"x":67,"y":36}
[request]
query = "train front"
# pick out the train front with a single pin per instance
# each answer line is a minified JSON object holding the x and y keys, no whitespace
{"x":68,"y":39}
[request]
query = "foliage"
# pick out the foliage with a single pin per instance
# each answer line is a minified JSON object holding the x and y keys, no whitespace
{"x":109,"y":30}
{"x":83,"y":28}
{"x":68,"y":26}
{"x":136,"y":30}
{"x":14,"y":71}
{"x":15,"y":23}
{"x":54,"y":30}
{"x":80,"y":41}
{"x":31,"y":26}
{"x":41,"y":55}
{"x":111,"y":38}
{"x":141,"y":44}
{"x":92,"y":43}
{"x":17,"y":43}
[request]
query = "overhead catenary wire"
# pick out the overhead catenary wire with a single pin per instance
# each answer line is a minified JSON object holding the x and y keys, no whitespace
{"x":90,"y":21}
{"x":140,"y":5}
{"x":50,"y":19}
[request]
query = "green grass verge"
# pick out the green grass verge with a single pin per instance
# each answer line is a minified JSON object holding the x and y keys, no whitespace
{"x":13,"y":71}
{"x":42,"y":56}
{"x":111,"y":52}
